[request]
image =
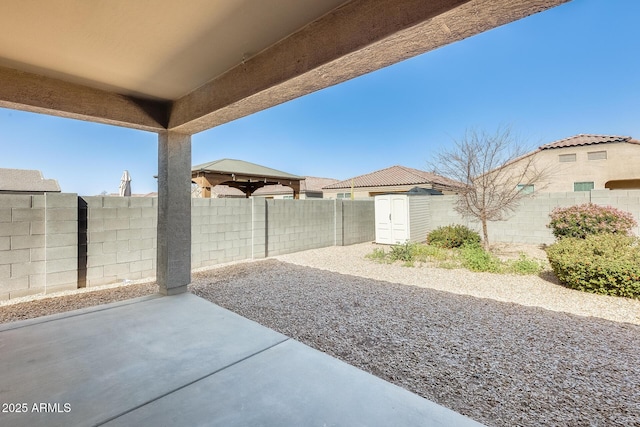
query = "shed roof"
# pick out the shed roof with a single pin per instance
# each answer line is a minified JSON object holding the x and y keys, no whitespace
{"x":26,"y":180}
{"x":394,"y":175}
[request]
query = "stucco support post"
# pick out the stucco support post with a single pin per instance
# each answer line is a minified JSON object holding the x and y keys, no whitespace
{"x":174,"y":212}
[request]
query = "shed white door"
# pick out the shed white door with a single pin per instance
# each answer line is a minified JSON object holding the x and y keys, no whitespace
{"x":383,"y":220}
{"x":391,"y":216}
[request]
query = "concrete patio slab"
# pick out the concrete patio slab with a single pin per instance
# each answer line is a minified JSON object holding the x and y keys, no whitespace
{"x":181,"y":360}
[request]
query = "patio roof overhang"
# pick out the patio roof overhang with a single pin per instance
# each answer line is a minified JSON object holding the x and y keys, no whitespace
{"x":179,"y":68}
{"x":190,"y":66}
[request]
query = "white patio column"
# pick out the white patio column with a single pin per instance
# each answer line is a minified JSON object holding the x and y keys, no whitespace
{"x":174,"y":212}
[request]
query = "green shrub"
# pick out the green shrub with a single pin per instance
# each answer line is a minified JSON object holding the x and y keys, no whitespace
{"x":471,"y":256}
{"x":523,"y":265}
{"x":378,"y":255}
{"x":475,"y":258}
{"x":603,"y":264}
{"x":587,"y":219}
{"x":404,"y":252}
{"x":431,"y":253}
{"x":452,"y":236}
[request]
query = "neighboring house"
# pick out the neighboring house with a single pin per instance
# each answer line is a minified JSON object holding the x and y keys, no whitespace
{"x":26,"y":181}
{"x":310,"y":188}
{"x":586,"y":162}
{"x":395,"y":179}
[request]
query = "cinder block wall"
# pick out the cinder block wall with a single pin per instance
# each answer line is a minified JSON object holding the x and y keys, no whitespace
{"x":528,"y":224}
{"x":22,"y":265}
{"x":220,"y":231}
{"x":358,"y":221}
{"x":298,"y":225}
{"x":627,"y":200}
{"x":62,"y":241}
{"x":120,"y":239}
{"x":38,"y":244}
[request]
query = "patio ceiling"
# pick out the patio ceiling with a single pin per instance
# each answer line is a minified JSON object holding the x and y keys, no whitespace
{"x":189,"y":66}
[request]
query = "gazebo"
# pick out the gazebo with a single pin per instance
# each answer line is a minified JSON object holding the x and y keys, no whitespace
{"x":245,"y":176}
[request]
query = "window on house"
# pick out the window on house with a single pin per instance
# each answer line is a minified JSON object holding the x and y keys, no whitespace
{"x":597,"y":155}
{"x":567,"y":158}
{"x":344,"y":195}
{"x":525,"y":188}
{"x":287,"y":197}
{"x":582,"y":186}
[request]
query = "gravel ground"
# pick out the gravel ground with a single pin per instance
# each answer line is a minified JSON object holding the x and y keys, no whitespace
{"x":503,"y":350}
{"x":37,"y":306}
{"x":534,"y":291}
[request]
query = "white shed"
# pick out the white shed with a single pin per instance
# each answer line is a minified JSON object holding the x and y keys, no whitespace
{"x":403,"y":217}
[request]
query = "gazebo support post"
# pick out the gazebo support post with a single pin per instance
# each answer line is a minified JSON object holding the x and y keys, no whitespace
{"x":174,"y":212}
{"x":295,"y":186}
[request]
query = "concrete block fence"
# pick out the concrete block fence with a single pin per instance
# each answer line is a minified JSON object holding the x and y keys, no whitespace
{"x":528,"y":224}
{"x":38,"y":244}
{"x":117,"y":239}
{"x":57,"y":242}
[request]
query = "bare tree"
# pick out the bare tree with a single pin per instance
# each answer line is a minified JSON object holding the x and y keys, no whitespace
{"x":496,"y":172}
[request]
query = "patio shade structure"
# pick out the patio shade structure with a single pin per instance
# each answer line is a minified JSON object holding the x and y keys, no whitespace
{"x":179,"y":68}
{"x":245,"y":176}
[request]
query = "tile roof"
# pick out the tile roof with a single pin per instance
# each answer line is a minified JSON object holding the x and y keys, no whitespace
{"x":26,"y":180}
{"x":394,"y":175}
{"x":582,"y":139}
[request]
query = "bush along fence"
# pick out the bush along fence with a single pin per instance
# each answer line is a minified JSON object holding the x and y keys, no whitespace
{"x":57,"y":242}
{"x":595,"y":251}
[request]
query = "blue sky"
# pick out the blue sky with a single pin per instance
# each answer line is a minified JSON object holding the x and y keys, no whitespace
{"x":573,"y":69}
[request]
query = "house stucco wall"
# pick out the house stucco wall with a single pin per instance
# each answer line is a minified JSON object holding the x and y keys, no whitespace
{"x":370,"y":192}
{"x":622,"y":163}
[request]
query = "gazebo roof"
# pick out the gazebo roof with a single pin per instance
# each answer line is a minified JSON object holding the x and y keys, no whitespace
{"x":240,"y":167}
